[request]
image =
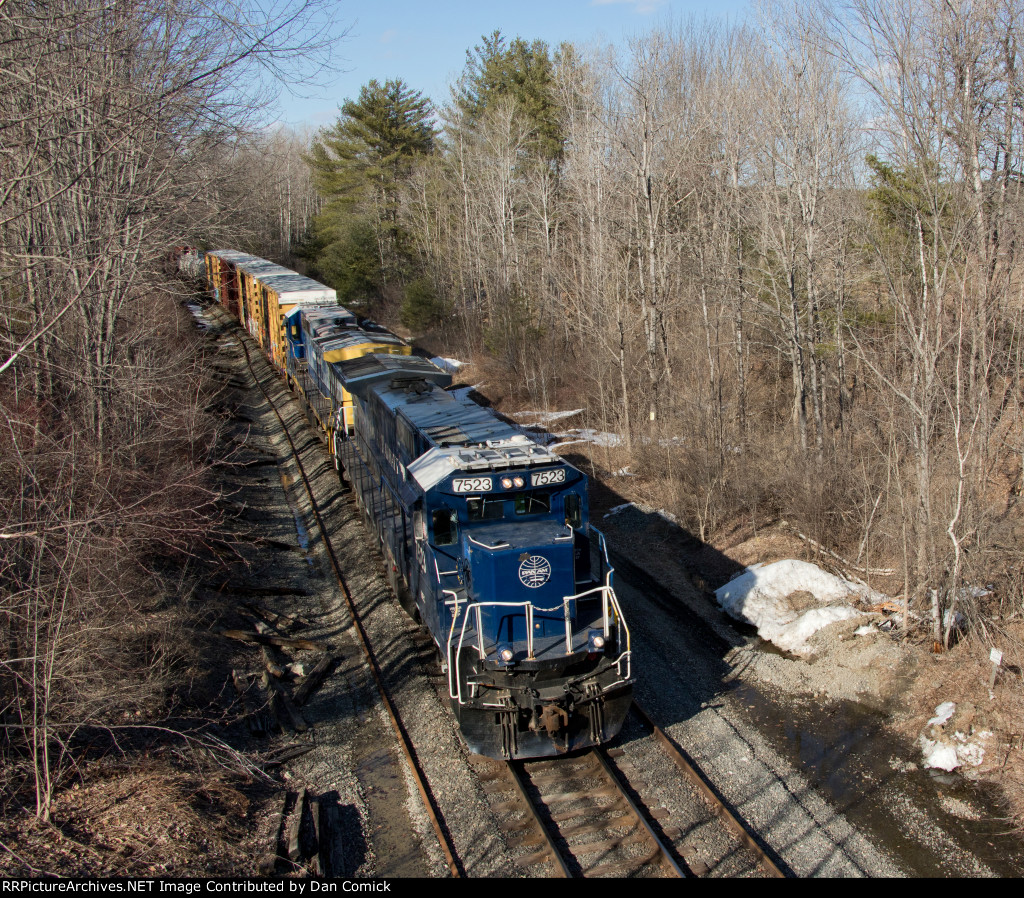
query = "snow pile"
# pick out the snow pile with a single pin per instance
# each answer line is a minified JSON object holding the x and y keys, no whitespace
{"x":789,"y":601}
{"x":943,"y":752}
{"x":449,"y":365}
{"x":547,"y":417}
{"x":942,"y":714}
{"x":588,"y":435}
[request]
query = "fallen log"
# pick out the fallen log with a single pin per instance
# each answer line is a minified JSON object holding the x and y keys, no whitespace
{"x":294,"y":840}
{"x":316,"y":676}
{"x":269,"y":662}
{"x":287,"y":754}
{"x":268,"y":862}
{"x":279,"y":699}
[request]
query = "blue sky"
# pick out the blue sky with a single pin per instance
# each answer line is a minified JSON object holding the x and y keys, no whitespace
{"x":425,"y":43}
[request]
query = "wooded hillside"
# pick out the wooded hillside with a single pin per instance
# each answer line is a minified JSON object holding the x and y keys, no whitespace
{"x":780,"y":263}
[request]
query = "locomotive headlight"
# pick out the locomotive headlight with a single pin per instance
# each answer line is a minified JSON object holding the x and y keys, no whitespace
{"x":596,"y":641}
{"x":506,"y":483}
{"x":518,"y":481}
{"x":505,"y":655}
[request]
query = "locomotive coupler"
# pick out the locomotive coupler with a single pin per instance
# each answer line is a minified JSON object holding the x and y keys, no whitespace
{"x":552,"y":718}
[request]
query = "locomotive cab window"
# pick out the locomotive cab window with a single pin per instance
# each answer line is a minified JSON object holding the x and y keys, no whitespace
{"x":445,"y":527}
{"x":484,"y":509}
{"x":532,"y":503}
{"x":573,"y":513}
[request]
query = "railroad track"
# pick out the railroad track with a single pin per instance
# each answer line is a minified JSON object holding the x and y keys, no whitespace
{"x":589,"y":824}
{"x":405,"y":743}
{"x":576,"y":814}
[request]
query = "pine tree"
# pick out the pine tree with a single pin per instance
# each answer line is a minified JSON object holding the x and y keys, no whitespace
{"x":359,"y":165}
{"x":521,"y":71}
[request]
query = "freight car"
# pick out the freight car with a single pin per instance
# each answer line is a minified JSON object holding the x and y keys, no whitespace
{"x":485,"y":534}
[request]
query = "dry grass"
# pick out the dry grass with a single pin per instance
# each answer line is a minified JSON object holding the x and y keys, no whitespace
{"x":152,"y":819}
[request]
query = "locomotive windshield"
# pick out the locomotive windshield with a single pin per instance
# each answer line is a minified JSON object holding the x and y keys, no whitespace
{"x":532,"y":503}
{"x":492,"y":508}
{"x":486,"y":509}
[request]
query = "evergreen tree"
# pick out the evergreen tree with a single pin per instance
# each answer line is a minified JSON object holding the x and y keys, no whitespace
{"x":359,"y":165}
{"x":522,"y":71}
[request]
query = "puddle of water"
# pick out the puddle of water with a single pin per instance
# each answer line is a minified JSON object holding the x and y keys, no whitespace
{"x":844,"y":751}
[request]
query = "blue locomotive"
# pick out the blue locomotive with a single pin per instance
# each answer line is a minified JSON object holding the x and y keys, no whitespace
{"x":485,"y":537}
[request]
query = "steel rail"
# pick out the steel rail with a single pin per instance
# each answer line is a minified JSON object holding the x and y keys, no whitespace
{"x":703,"y":785}
{"x":403,"y":737}
{"x":663,"y":853}
{"x":515,"y":770}
{"x":666,"y":855}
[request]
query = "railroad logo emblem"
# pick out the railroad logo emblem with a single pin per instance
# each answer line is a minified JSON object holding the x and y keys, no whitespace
{"x":535,"y":571}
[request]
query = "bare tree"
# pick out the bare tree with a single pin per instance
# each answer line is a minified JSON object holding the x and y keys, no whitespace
{"x":114,"y":121}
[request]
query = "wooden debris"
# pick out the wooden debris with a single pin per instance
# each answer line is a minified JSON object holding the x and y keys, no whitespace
{"x":889,"y":606}
{"x":284,"y":641}
{"x":330,"y":846}
{"x":253,"y":715}
{"x":288,"y":754}
{"x":294,"y":839}
{"x":268,"y":863}
{"x":316,"y":867}
{"x":316,"y":676}
{"x":273,"y":668}
{"x":290,"y":621}
{"x":245,"y":589}
{"x":287,"y":713}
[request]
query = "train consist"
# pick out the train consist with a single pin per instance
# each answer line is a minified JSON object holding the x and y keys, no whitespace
{"x":485,"y":535}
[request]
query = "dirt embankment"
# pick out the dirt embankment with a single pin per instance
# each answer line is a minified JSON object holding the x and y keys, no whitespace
{"x":883,"y":667}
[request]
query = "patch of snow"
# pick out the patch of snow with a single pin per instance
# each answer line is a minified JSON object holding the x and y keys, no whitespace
{"x":944,"y":752}
{"x":864,"y":631}
{"x":939,"y":755}
{"x":761,"y":595}
{"x":948,"y":754}
{"x":623,"y":472}
{"x":589,"y":435}
{"x":942,"y":713}
{"x":548,"y":417}
{"x":619,"y":508}
{"x":792,"y":637}
{"x":449,"y":365}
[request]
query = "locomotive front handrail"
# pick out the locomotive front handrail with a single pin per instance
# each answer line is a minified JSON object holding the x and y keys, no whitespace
{"x":603,"y":548}
{"x":609,"y":602}
{"x":455,"y":668}
{"x":502,"y":545}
